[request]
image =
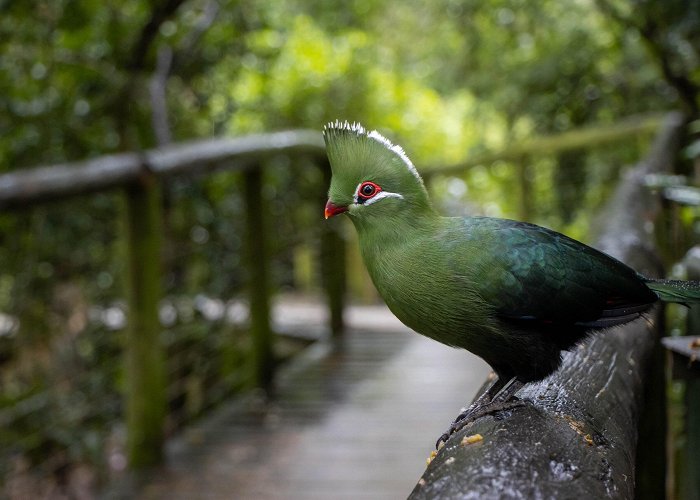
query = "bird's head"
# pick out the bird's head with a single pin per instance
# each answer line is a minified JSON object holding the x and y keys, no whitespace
{"x":371,"y":176}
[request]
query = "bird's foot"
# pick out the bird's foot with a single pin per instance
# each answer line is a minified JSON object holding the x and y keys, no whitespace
{"x":474,"y":413}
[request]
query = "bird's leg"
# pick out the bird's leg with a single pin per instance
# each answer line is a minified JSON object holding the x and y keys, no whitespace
{"x":495,"y":398}
{"x":485,"y":398}
{"x":508,"y":391}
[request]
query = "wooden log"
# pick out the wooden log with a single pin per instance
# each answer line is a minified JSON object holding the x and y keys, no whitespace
{"x":22,"y":187}
{"x":576,"y":436}
{"x":145,"y":360}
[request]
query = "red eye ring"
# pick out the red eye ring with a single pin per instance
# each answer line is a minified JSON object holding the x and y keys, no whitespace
{"x":368,"y":190}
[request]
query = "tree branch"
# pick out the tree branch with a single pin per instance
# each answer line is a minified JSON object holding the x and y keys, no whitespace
{"x":686,"y":88}
{"x":160,"y":14}
{"x":158,"y":90}
{"x":648,"y":29}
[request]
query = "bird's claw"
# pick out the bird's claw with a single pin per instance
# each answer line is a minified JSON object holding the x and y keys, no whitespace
{"x":459,"y":423}
{"x":442,"y":440}
{"x":474,"y":413}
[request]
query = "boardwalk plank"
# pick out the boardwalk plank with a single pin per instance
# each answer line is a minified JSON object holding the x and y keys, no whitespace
{"x":354,"y":425}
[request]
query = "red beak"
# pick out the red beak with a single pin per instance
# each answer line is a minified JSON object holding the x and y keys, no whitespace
{"x":332,"y":209}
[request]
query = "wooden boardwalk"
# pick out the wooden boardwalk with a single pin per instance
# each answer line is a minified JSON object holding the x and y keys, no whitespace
{"x":352,"y":425}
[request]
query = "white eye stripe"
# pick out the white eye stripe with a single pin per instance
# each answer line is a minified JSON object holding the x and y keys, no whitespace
{"x":379,"y":196}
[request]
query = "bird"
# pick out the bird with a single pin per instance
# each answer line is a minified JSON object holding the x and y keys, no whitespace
{"x":514,"y":293}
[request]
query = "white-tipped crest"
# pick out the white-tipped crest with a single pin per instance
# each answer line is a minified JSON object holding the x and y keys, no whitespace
{"x":358,"y":129}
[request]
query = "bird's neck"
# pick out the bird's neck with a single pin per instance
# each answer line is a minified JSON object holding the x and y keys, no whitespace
{"x":378,"y":235}
{"x":403,"y":256}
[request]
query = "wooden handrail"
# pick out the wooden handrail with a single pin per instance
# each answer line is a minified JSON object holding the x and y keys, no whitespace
{"x":584,"y":137}
{"x":38,"y":184}
{"x":56,"y":181}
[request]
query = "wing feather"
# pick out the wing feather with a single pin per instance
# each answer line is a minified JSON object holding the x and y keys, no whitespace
{"x":530,"y":273}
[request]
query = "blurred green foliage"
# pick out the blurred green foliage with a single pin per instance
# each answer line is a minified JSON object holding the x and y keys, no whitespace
{"x":446,"y":79}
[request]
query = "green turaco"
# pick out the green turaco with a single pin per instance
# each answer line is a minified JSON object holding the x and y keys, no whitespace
{"x":513,"y":293}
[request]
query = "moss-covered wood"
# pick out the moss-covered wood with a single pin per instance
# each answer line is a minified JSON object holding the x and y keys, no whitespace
{"x":144,"y":373}
{"x":333,"y":249}
{"x":685,"y":363}
{"x":691,"y":487}
{"x":333,"y":267}
{"x":262,"y":359}
{"x":41,"y":184}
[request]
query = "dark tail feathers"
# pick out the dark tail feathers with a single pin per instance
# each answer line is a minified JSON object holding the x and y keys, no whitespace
{"x":682,"y":292}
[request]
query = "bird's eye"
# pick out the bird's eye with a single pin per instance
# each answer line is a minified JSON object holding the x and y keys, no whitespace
{"x":367,"y":190}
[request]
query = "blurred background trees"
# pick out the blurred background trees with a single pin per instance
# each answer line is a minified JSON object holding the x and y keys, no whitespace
{"x":446,"y":79}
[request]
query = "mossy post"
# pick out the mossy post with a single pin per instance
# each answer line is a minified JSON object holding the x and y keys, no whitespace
{"x":145,"y":363}
{"x":686,"y":370}
{"x":262,"y":356}
{"x":333,"y":267}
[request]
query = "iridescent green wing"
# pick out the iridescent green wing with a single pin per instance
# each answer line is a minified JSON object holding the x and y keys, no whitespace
{"x":531,"y":273}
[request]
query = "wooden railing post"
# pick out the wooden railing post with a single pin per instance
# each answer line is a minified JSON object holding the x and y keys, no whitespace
{"x":691,"y":488}
{"x":145,"y":363}
{"x":333,"y":267}
{"x":262,"y":355}
{"x":685,"y":366}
